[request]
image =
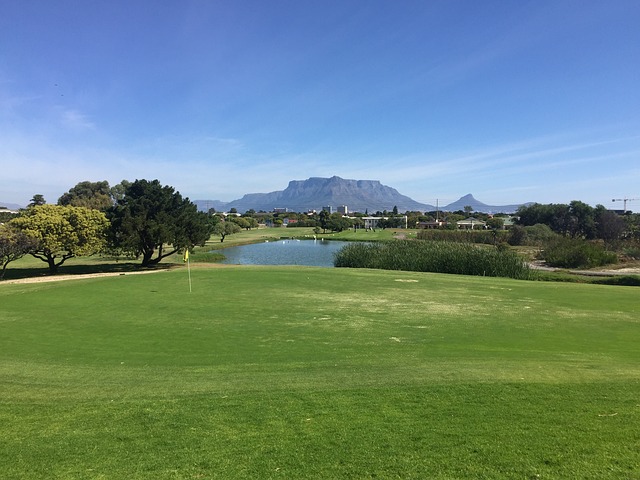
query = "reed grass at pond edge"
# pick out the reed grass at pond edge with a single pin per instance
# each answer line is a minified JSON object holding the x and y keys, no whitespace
{"x":437,"y":257}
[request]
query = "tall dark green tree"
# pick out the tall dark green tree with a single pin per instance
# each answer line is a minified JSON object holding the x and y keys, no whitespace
{"x":610,"y":226}
{"x":152,"y":219}
{"x":581,"y":222}
{"x":323,"y":220}
{"x":37,"y":200}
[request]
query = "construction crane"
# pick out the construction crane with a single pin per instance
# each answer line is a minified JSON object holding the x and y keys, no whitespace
{"x":625,"y":200}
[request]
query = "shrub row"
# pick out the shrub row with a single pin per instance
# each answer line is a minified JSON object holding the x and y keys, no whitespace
{"x":566,"y":252}
{"x":534,"y":235}
{"x":438,"y":257}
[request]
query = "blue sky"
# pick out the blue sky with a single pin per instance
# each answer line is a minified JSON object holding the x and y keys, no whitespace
{"x":510,"y":100}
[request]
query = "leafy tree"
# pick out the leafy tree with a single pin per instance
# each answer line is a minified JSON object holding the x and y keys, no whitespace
{"x":37,"y":200}
{"x":241,"y":222}
{"x":338,"y":223}
{"x":14,"y":244}
{"x":226,"y":228}
{"x":537,"y":213}
{"x":264,"y":217}
{"x":397,"y":222}
{"x":62,"y":232}
{"x":357,"y":222}
{"x":391,"y":222}
{"x":413,"y":217}
{"x":495,"y":223}
{"x":451,"y":219}
{"x":96,"y":195}
{"x":538,"y":234}
{"x":253,"y":223}
{"x":632,"y":226}
{"x":117,"y":191}
{"x":517,"y":235}
{"x":581,"y":222}
{"x":151,"y":217}
{"x":609,"y":225}
{"x":323,"y":220}
{"x":216,"y":218}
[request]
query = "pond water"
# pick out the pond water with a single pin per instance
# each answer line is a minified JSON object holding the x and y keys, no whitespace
{"x":318,"y":253}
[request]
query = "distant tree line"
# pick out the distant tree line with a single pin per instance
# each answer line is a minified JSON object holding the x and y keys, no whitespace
{"x":578,"y":235}
{"x":575,"y":220}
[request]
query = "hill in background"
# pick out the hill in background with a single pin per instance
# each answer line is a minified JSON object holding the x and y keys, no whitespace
{"x":478,"y":206}
{"x":358,"y":195}
{"x":10,"y":206}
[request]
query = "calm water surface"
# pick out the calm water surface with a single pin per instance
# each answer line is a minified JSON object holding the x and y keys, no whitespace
{"x":318,"y":253}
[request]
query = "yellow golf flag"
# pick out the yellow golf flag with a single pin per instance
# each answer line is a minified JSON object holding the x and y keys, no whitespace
{"x":186,"y":260}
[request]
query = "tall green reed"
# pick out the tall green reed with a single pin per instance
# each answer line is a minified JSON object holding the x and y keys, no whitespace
{"x":438,"y":257}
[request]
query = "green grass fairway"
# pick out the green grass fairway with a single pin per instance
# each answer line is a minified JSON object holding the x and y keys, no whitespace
{"x":288,"y":372}
{"x":262,"y":234}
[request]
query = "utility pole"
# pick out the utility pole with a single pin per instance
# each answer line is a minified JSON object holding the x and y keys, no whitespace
{"x":625,"y":200}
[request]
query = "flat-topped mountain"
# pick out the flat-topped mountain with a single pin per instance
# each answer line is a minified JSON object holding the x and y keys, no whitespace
{"x":316,"y":193}
{"x":358,"y":195}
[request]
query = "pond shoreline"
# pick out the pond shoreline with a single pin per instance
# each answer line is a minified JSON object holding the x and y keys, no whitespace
{"x":295,"y":251}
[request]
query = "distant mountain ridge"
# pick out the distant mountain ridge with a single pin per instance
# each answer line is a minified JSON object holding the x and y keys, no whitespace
{"x":316,"y":193}
{"x":358,"y":195}
{"x":10,"y":206}
{"x":478,"y":206}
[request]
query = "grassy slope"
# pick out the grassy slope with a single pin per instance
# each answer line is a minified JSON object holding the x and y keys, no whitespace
{"x":261,"y":234}
{"x":318,"y":373}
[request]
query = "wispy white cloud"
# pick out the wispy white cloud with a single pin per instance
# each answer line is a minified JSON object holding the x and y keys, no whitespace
{"x":557,"y":165}
{"x":76,"y":120}
{"x":535,"y":158}
{"x":590,"y":166}
{"x":10,"y":103}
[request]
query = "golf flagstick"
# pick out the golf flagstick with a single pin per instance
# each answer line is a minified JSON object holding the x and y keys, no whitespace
{"x":186,"y":259}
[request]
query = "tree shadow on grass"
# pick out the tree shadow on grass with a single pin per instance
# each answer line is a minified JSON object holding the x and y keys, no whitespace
{"x":81,"y":269}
